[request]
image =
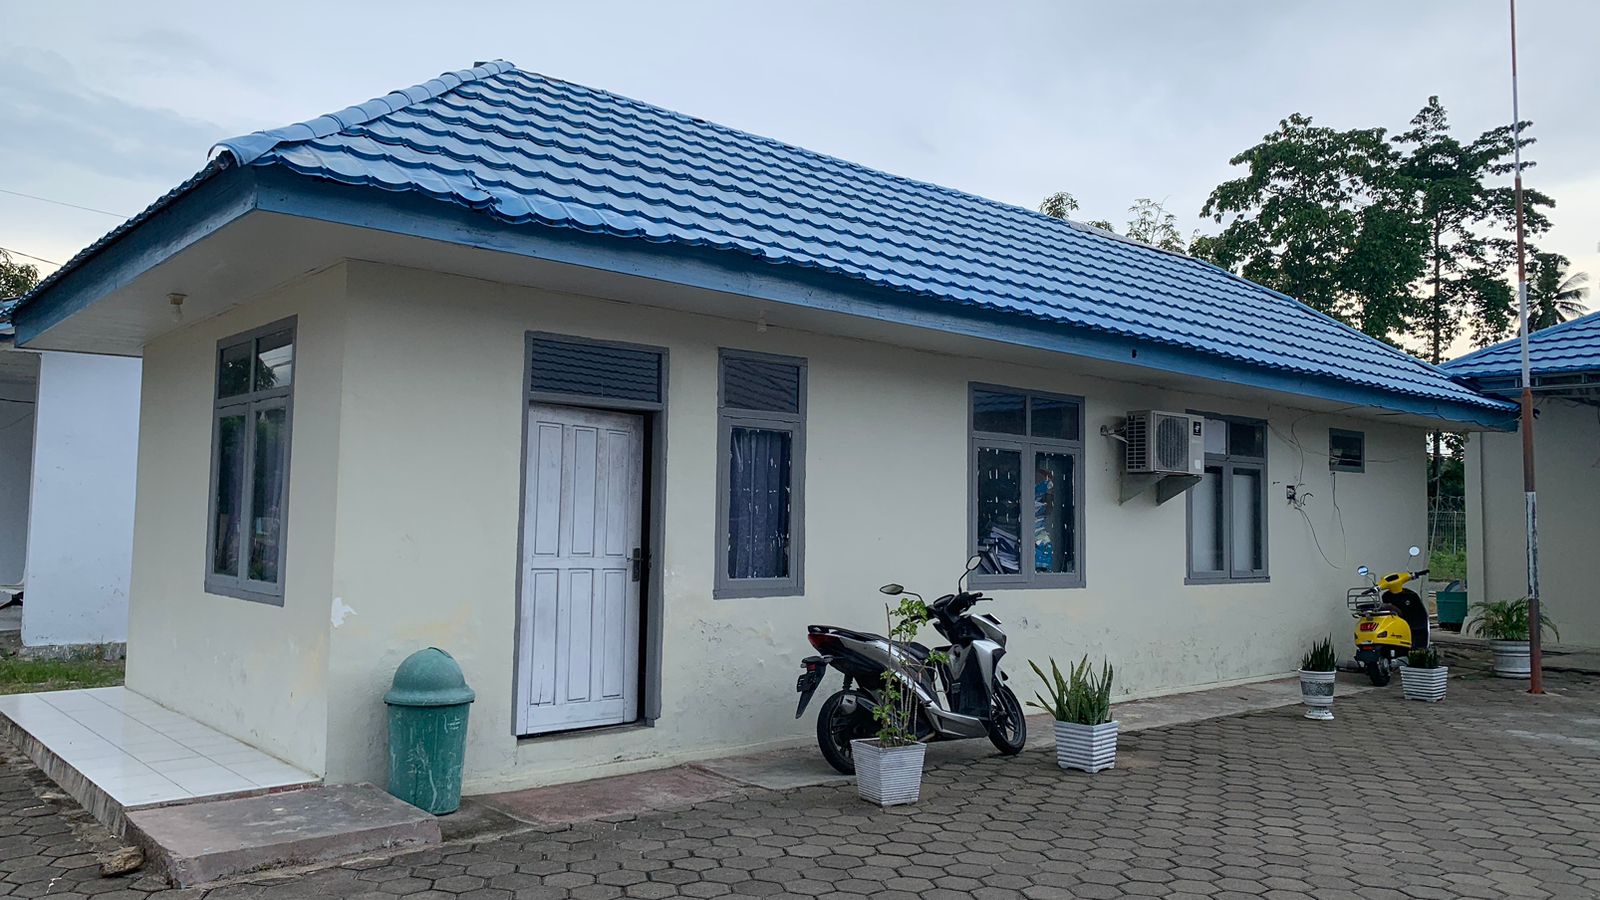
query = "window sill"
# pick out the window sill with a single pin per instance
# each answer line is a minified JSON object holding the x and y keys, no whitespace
{"x":1261,"y":579}
{"x":241,"y":593}
{"x":792,"y":591}
{"x":989,"y":584}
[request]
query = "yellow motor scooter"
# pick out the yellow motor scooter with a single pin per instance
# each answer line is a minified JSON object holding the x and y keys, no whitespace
{"x":1391,"y":620}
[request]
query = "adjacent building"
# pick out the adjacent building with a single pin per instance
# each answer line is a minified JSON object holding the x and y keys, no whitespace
{"x":611,"y":402}
{"x":1565,"y":367}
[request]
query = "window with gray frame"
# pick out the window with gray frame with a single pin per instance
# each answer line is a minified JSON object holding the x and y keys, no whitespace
{"x":251,"y":415}
{"x":1347,"y":450}
{"x":1026,"y":488}
{"x":761,"y":418}
{"x":1228,"y":507}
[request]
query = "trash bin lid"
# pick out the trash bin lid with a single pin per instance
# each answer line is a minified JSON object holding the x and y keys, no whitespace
{"x":429,"y":677}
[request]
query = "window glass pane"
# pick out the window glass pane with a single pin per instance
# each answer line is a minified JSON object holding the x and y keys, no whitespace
{"x":1000,"y":509}
{"x":760,"y":463}
{"x":233,"y":372}
{"x":266,"y":493}
{"x":1246,"y":509}
{"x":274,"y":360}
{"x":757,"y":384}
{"x":1205,"y":523}
{"x":1055,"y":517}
{"x":996,"y":412}
{"x":230,"y":475}
{"x":1216,"y":436}
{"x":1245,"y":439}
{"x":1346,"y":450}
{"x":1054,"y":418}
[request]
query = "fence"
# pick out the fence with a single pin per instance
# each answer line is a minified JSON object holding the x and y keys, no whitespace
{"x":1447,"y":526}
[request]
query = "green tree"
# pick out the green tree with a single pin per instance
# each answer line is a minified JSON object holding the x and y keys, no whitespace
{"x":1323,"y":216}
{"x":16,"y":278}
{"x":1470,"y":225}
{"x":1554,"y":294}
{"x":1060,"y":205}
{"x":1152,"y":224}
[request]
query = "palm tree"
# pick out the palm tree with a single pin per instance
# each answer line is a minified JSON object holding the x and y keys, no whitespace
{"x":1554,"y":295}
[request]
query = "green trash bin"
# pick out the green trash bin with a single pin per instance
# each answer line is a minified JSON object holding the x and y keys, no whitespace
{"x":1452,"y":606}
{"x":428,"y":705}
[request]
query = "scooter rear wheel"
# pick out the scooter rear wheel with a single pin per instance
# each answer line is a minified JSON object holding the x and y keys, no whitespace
{"x":1378,"y":671}
{"x":836,"y":729}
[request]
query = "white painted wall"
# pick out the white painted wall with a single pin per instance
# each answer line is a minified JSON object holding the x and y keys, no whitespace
{"x":404,"y":513}
{"x":255,"y":671}
{"x":16,"y":466}
{"x":80,"y":534}
{"x":1567,"y":452}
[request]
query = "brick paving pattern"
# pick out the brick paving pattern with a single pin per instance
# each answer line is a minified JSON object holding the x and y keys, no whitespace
{"x":1491,"y":794}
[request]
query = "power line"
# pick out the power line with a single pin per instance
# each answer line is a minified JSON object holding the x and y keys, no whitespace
{"x":48,"y":262}
{"x":102,"y":212}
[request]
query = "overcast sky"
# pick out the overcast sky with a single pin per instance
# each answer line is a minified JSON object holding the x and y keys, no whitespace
{"x":110,"y":105}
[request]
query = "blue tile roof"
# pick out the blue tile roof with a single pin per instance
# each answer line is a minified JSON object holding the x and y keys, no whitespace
{"x":1569,"y":347}
{"x":536,"y":151}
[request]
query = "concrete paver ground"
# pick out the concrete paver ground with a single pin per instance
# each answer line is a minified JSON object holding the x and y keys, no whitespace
{"x":1490,"y":794}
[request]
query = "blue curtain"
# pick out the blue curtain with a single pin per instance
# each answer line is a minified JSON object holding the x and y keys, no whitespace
{"x":759,"y":497}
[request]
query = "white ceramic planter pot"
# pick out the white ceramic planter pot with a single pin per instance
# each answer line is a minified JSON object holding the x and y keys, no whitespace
{"x":1511,"y":659}
{"x":1316,"y":692}
{"x":1086,"y":747}
{"x":888,"y":776}
{"x":1424,"y":684}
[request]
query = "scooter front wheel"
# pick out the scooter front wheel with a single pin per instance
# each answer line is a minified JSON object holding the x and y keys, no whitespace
{"x":1007,"y":725}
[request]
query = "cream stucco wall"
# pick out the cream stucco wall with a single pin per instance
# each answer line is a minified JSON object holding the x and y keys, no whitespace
{"x":255,"y":671}
{"x":427,"y":497}
{"x":404,"y":515}
{"x":1567,"y":453}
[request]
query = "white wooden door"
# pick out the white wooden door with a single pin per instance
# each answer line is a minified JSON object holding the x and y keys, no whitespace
{"x":578,"y":622}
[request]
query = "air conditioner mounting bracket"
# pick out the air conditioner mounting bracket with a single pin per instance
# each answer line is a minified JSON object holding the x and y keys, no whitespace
{"x":1167,"y":486}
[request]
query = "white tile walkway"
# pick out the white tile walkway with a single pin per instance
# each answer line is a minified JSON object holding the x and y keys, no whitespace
{"x":139,"y":752}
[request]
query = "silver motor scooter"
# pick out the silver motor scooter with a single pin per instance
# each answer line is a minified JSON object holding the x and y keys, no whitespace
{"x":963,"y":697}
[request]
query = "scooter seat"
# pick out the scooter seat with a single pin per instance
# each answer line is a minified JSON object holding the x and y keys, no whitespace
{"x":918,"y":651}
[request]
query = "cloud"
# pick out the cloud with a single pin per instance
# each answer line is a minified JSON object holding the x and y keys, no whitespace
{"x":51,"y":119}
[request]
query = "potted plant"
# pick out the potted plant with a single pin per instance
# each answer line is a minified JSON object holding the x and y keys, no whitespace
{"x":1423,"y":678}
{"x":1317,"y":669}
{"x":889,"y":767}
{"x":1086,"y":735}
{"x":1505,"y":624}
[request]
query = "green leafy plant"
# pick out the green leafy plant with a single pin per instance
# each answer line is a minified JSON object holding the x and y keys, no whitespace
{"x":1423,"y":658}
{"x":896,"y":712}
{"x":1320,"y":658}
{"x":1506,"y":620}
{"x":1084,"y":698}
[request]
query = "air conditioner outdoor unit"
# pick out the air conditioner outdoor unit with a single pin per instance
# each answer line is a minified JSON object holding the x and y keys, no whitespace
{"x":1165,"y":443}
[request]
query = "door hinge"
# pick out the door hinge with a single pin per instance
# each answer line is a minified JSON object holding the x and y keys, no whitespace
{"x":638,"y":561}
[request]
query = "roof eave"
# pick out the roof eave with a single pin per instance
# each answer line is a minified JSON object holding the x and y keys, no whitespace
{"x":234,"y":191}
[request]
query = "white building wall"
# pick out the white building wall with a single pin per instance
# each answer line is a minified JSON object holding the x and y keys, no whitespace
{"x":80,"y":533}
{"x":16,"y":466}
{"x":430,"y":453}
{"x":1567,"y":454}
{"x":404,"y":513}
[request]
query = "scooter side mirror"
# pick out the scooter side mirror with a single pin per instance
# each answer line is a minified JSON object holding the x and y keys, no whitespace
{"x":973,"y":562}
{"x":1415,"y":551}
{"x":892,"y":589}
{"x":1363,"y":571}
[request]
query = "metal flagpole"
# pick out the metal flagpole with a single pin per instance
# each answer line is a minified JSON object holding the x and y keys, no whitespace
{"x":1529,"y":492}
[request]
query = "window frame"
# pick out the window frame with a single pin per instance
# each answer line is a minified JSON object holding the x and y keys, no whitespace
{"x":1029,"y":446}
{"x":249,"y":403}
{"x":725,"y":587}
{"x":1334,"y":464}
{"x":1229,"y":463}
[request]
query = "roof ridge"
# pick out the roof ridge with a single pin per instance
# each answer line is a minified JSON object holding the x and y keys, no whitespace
{"x":247,"y":148}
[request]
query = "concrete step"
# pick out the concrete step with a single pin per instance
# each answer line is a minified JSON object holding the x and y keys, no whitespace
{"x":199,"y":843}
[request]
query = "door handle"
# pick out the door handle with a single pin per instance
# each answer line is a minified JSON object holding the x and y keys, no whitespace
{"x":637,"y":562}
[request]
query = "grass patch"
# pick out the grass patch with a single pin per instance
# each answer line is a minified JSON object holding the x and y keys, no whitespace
{"x":1444,"y":565}
{"x":20,"y":676}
